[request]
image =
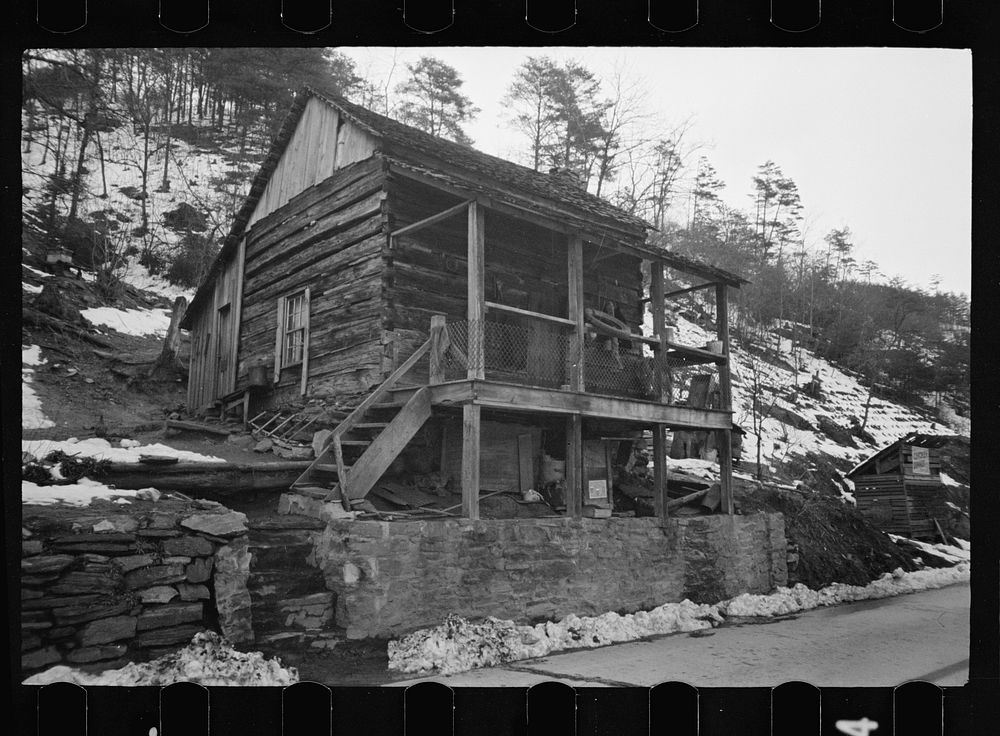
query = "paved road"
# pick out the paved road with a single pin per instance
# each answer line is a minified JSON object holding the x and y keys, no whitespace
{"x":922,"y":636}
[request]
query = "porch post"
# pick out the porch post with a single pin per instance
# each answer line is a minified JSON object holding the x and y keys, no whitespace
{"x":470,"y":461}
{"x":476,"y":295}
{"x":723,"y":438}
{"x":574,"y":466}
{"x":656,"y":305}
{"x":574,"y":281}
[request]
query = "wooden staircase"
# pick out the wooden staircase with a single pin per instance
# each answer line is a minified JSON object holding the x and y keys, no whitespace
{"x":363,"y":446}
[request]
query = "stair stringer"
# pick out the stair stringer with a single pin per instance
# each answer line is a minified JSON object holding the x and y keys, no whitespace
{"x":368,"y":468}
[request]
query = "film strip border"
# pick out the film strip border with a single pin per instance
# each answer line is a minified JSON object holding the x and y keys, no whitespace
{"x":547,"y":20}
{"x":546,"y":709}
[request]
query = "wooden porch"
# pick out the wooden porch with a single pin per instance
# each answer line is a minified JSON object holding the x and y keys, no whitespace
{"x":543,"y":364}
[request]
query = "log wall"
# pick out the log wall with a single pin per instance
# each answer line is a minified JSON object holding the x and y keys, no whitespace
{"x":330,"y":238}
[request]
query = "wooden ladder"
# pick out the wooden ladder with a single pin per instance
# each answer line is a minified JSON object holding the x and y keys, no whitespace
{"x":363,"y":446}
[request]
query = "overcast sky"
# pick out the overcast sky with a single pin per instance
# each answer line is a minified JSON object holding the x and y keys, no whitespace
{"x":879,"y":140}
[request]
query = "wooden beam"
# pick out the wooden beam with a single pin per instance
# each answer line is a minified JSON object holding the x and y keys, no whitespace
{"x":433,"y":219}
{"x":575,"y":310}
{"x":660,"y":471}
{"x":439,"y":344}
{"x":574,"y":466}
{"x":529,"y":313}
{"x":656,"y":306}
{"x":512,"y":397}
{"x":476,"y":291}
{"x":724,"y":437}
{"x":470,"y":460}
{"x":688,"y":290}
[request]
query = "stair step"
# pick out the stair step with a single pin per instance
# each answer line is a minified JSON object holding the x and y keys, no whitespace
{"x":355,"y":443}
{"x":370,"y":425}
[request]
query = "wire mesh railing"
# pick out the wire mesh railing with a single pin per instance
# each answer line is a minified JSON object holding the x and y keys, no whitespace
{"x":536,"y":352}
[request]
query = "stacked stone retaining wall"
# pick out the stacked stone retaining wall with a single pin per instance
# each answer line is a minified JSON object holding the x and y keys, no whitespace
{"x":393,"y":577}
{"x":114,"y":582}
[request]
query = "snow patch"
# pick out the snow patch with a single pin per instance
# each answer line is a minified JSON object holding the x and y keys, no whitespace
{"x":458,"y":645}
{"x":101,"y":449}
{"x":207,"y":660}
{"x":137,"y":322}
{"x":31,"y":289}
{"x":81,"y":493}
{"x":32,"y":416}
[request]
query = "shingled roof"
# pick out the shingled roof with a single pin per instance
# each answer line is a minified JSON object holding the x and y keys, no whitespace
{"x":410,"y":145}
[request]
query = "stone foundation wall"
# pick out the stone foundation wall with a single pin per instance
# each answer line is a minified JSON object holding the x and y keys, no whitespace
{"x":393,"y":577}
{"x":115,"y":582}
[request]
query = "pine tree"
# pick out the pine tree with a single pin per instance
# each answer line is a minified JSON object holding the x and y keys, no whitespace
{"x":433,"y":102}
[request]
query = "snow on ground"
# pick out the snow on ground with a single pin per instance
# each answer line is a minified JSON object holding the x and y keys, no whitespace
{"x":39,"y":274}
{"x":25,"y":286}
{"x":947,"y":480}
{"x":129,"y":451}
{"x":800,"y":598}
{"x":32,"y":416}
{"x":137,"y":322}
{"x":458,"y":645}
{"x":137,"y":275}
{"x":207,"y":660}
{"x":81,"y":493}
{"x":843,"y":398}
{"x":947,"y":551}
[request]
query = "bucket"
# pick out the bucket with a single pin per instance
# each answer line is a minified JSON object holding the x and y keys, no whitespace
{"x":552,"y":470}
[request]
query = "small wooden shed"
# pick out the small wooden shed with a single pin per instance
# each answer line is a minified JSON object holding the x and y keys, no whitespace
{"x":899,"y":488}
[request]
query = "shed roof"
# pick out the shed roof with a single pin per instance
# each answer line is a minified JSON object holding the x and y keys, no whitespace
{"x":915,"y":439}
{"x":411,"y":145}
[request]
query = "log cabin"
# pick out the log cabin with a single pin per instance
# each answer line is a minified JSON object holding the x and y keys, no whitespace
{"x":485,"y":317}
{"x":899,"y":488}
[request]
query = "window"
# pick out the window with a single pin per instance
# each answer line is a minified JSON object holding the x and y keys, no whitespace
{"x":291,"y":342}
{"x":295,"y":330}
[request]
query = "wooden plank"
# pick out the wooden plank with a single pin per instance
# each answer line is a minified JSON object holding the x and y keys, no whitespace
{"x":574,"y":466}
{"x":181,"y":424}
{"x":305,"y":345}
{"x":575,"y":310}
{"x":660,"y":471}
{"x":438,"y":346}
{"x":724,"y":438}
{"x":656,"y":297}
{"x":428,"y":221}
{"x":470,"y":461}
{"x":526,"y":468}
{"x":528,"y":313}
{"x":367,"y":470}
{"x":689,"y":289}
{"x":476,"y":307}
{"x":279,"y":333}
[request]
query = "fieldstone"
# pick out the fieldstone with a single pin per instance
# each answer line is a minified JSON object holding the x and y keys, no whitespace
{"x":40,"y":658}
{"x":36,"y":581}
{"x":154,"y":575}
{"x":199,"y":570}
{"x":109,"y":548}
{"x":293,"y":452}
{"x":101,"y":538}
{"x":53,"y":601}
{"x":158,"y":594}
{"x":160,"y":520}
{"x":107,"y":630}
{"x":133,"y":562}
{"x":158,"y":533}
{"x":95,"y":559}
{"x":189,"y":546}
{"x":80,"y":614}
{"x":31,"y":547}
{"x":193,"y":592}
{"x":171,"y":614}
{"x":232,"y":598}
{"x":46,"y":564}
{"x":59,"y":632}
{"x":118,"y":524}
{"x":229,"y":524}
{"x":320,"y":440}
{"x":245,"y":441}
{"x":79,"y":582}
{"x":27,"y":594}
{"x":264,"y":445}
{"x":97,"y":654}
{"x":163,"y":637}
{"x":31,"y":641}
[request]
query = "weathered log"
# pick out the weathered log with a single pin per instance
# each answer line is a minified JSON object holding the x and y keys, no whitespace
{"x":690,"y":498}
{"x":215,"y":478}
{"x":197,"y":427}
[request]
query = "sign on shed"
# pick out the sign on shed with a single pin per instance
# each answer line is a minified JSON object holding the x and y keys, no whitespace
{"x":921,"y":460}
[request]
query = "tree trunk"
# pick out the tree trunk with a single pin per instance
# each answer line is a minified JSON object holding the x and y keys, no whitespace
{"x":168,"y":362}
{"x":104,"y":180}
